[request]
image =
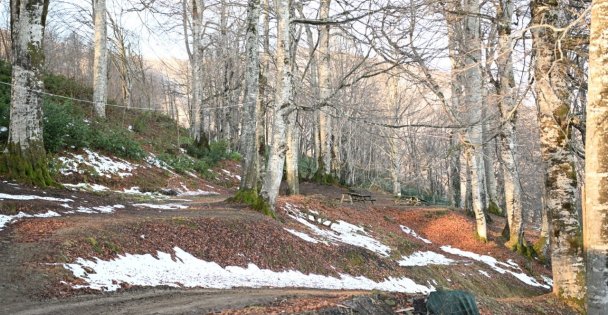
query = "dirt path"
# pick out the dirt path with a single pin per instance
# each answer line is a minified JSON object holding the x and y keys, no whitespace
{"x":166,"y":301}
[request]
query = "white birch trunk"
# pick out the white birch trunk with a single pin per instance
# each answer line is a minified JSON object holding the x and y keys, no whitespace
{"x":596,"y":164}
{"x":100,"y":63}
{"x":552,"y":94}
{"x":250,"y":115}
{"x":283,"y":104}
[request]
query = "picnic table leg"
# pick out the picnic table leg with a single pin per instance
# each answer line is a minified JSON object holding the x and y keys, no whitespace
{"x":351,"y":199}
{"x":342,"y":199}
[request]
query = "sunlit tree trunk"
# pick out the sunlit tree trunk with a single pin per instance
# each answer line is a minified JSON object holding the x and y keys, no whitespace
{"x":100,"y":65}
{"x":454,"y":22}
{"x":552,"y":95}
{"x":596,"y":164}
{"x":250,"y":116}
{"x":25,"y":158}
{"x":283,"y":111}
{"x":198,"y":49}
{"x":325,"y":119}
{"x":508,"y":112}
{"x":473,"y":88}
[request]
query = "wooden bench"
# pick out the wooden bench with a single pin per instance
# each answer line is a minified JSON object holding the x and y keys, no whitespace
{"x":357,"y":196}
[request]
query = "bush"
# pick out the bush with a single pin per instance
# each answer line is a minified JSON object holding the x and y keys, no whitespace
{"x":218,"y":151}
{"x":64,"y":127}
{"x":116,"y":140}
{"x":183,"y":164}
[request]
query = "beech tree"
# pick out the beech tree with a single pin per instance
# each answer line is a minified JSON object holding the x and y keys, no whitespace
{"x":508,"y":111}
{"x":25,"y":157}
{"x":100,"y":66}
{"x":284,"y":111}
{"x":249,"y":143}
{"x":596,"y":164}
{"x":552,"y":95}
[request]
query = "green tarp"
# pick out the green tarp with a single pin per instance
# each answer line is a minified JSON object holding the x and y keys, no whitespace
{"x":452,"y":303}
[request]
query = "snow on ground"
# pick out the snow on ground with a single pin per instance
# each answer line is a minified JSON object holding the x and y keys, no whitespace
{"x":168,"y":206}
{"x":32,"y":197}
{"x":152,"y":160}
{"x":97,"y":210}
{"x":189,"y":271}
{"x":484,"y":273}
{"x":303,"y":236}
{"x":341,"y":231}
{"x":102,"y":165}
{"x":6,"y":219}
{"x":185,"y":191}
{"x":231,"y":175}
{"x":425,"y":259}
{"x":547,"y":280}
{"x":494,"y":264}
{"x":414,"y":234}
{"x":87,"y":187}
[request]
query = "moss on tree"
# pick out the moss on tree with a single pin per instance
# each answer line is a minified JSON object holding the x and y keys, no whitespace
{"x":253,"y":199}
{"x":29,"y":166}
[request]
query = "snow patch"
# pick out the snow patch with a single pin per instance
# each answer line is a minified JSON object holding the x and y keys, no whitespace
{"x":99,"y":209}
{"x":102,"y":165}
{"x":32,"y":197}
{"x":303,"y":236}
{"x":494,"y":264}
{"x":189,"y":271}
{"x":425,"y":259}
{"x":414,"y":234}
{"x":341,"y":231}
{"x":484,"y":273}
{"x":168,"y":206}
{"x":86,"y":187}
{"x":6,"y":219}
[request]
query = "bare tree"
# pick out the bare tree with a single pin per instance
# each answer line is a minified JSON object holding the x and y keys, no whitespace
{"x":25,"y":158}
{"x":552,"y":95}
{"x":100,"y":67}
{"x":283,"y":105}
{"x":250,"y":118}
{"x":596,"y":166}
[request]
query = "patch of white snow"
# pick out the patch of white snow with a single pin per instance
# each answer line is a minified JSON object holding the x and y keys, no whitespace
{"x":494,"y":264}
{"x":425,"y":259}
{"x":189,"y":271}
{"x":168,"y":206}
{"x":414,"y":234}
{"x":303,"y":236}
{"x":32,"y":197}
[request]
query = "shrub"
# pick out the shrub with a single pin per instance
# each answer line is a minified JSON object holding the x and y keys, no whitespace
{"x":64,"y":127}
{"x":183,"y":164}
{"x":116,"y":140}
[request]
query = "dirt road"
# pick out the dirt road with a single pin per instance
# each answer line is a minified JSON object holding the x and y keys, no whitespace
{"x":166,"y":301}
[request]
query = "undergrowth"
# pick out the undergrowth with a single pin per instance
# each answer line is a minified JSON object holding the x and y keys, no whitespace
{"x":253,"y":199}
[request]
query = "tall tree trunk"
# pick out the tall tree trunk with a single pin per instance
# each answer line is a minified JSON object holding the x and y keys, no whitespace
{"x":25,"y":158}
{"x":508,"y":112}
{"x":292,"y":156}
{"x":455,"y":178}
{"x":198,"y":49}
{"x":283,"y":111}
{"x":552,"y":95}
{"x":100,"y":64}
{"x":250,"y":115}
{"x":473,"y":87}
{"x":596,"y":164}
{"x":325,"y":121}
{"x":261,"y":138}
{"x":455,"y":31}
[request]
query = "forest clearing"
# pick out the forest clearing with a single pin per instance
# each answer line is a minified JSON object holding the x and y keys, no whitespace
{"x":309,"y":157}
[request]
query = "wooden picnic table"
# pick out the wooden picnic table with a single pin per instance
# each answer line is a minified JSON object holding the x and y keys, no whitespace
{"x":410,"y":200}
{"x":358,"y":196}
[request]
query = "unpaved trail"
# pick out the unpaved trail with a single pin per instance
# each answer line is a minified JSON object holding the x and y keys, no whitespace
{"x":166,"y":301}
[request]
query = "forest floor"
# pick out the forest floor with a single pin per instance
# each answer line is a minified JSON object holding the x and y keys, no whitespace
{"x":114,"y":249}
